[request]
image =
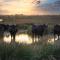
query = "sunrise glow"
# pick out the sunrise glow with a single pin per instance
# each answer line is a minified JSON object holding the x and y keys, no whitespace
{"x":27,"y":7}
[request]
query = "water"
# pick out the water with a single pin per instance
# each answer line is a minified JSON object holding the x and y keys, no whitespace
{"x":25,"y":38}
{"x":20,"y":38}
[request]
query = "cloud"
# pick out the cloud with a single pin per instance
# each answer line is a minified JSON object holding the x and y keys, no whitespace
{"x":53,"y":7}
{"x":19,"y":6}
{"x":22,"y":6}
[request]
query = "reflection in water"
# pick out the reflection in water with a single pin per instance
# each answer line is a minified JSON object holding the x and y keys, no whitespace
{"x":7,"y":37}
{"x":51,"y":39}
{"x":20,"y":38}
{"x":25,"y":38}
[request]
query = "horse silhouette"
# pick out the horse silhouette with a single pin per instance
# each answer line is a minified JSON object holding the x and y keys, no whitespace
{"x":57,"y":31}
{"x":13,"y":31}
{"x":1,"y":32}
{"x":38,"y":30}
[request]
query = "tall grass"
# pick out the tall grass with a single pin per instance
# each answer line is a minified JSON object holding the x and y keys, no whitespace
{"x":15,"y":52}
{"x":28,"y":52}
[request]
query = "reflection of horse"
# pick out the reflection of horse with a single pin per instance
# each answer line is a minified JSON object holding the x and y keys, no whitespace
{"x":38,"y":30}
{"x":56,"y":31}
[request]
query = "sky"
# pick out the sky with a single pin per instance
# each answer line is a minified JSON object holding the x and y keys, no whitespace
{"x":30,"y":7}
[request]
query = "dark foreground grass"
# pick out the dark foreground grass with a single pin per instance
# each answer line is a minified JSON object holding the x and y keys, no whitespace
{"x":28,"y":52}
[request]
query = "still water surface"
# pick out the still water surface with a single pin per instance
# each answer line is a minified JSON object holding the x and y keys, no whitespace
{"x":25,"y":38}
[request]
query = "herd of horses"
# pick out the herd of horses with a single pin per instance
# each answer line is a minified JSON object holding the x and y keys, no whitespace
{"x":36,"y":30}
{"x":12,"y":29}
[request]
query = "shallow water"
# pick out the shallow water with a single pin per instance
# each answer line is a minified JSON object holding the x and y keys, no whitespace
{"x":25,"y":38}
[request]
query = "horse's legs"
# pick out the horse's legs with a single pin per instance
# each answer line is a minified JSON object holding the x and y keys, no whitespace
{"x":58,"y":37}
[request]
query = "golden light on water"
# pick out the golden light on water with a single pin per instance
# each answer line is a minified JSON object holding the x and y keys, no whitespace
{"x":1,"y":20}
{"x":51,"y":40}
{"x":7,"y":37}
{"x":23,"y":38}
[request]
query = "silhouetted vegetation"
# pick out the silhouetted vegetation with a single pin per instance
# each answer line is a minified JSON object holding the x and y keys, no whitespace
{"x":28,"y":52}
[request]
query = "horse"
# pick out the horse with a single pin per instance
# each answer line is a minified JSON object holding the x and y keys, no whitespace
{"x":38,"y":30}
{"x":56,"y":31}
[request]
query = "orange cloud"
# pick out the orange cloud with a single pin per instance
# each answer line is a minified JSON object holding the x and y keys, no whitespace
{"x":22,"y":7}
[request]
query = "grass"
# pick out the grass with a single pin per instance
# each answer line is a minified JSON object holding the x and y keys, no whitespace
{"x":28,"y":52}
{"x":11,"y":51}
